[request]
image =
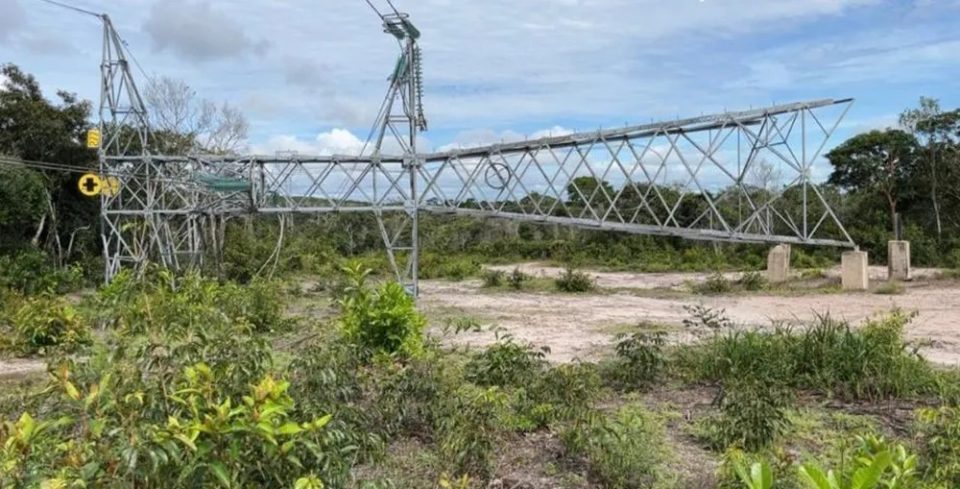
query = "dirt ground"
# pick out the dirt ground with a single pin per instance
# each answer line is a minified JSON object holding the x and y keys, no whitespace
{"x":582,"y":325}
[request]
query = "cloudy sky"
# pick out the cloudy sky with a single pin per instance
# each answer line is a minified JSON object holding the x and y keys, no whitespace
{"x":310,"y":74}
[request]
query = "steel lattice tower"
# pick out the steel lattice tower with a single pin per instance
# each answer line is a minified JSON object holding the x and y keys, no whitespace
{"x":691,"y":178}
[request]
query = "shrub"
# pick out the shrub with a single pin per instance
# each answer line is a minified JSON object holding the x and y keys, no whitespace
{"x":506,"y":363}
{"x":384,"y":320}
{"x":460,"y":269}
{"x":560,"y":393}
{"x":517,"y":279}
{"x":753,"y":281}
{"x":938,"y":433}
{"x":33,"y":272}
{"x":752,"y":415}
{"x":640,"y":359}
{"x":187,"y":435}
{"x":43,"y":324}
{"x":622,"y":452}
{"x":574,"y":281}
{"x":163,"y":302}
{"x":493,"y":278}
{"x":715,"y":283}
{"x":468,"y":430}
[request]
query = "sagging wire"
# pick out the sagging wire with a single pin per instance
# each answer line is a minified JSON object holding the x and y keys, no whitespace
{"x":75,"y":9}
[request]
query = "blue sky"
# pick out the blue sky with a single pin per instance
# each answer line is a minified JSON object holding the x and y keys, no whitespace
{"x":310,"y":74}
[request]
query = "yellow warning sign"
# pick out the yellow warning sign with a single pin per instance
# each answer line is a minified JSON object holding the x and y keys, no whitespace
{"x":93,"y":138}
{"x":90,"y":185}
{"x":110,"y":186}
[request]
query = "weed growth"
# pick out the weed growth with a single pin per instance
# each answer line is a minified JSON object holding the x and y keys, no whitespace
{"x":574,"y":281}
{"x":517,"y":279}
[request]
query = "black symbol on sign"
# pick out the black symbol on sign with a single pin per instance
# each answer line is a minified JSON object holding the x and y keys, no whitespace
{"x":91,"y":184}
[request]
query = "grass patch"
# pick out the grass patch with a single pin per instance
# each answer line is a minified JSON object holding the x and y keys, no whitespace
{"x":871,"y":362}
{"x":891,"y":287}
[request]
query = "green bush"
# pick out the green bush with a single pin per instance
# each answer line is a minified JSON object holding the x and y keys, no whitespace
{"x":164,"y":302}
{"x":106,"y":437}
{"x":563,"y":392}
{"x":715,"y":283}
{"x":574,"y":281}
{"x":33,"y":272}
{"x":381,"y":321}
{"x":752,"y":281}
{"x":640,"y":359}
{"x":517,"y":279}
{"x":753,"y":414}
{"x":938,"y":434}
{"x":623,"y":452}
{"x":43,"y":324}
{"x":506,"y":363}
{"x":493,"y":278}
{"x":468,"y":431}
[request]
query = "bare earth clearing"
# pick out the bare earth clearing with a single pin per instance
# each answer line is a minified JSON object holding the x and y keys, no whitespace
{"x":582,"y":325}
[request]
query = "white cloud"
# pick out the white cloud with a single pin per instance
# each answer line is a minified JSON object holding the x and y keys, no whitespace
{"x":333,"y":142}
{"x":484,"y":137}
{"x":197,"y":32}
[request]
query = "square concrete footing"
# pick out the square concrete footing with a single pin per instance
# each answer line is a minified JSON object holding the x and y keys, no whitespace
{"x":778,"y":264}
{"x":853,"y":270}
{"x":898,"y":260}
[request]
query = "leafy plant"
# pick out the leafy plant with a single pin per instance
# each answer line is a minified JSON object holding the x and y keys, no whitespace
{"x":865,"y":477}
{"x":384,"y":320}
{"x":33,"y":272}
{"x":760,"y":475}
{"x":517,"y":279}
{"x":506,"y":363}
{"x":752,"y":281}
{"x":752,"y":415}
{"x":938,"y":433}
{"x":468,"y":430}
{"x":493,"y":278}
{"x":199,"y":438}
{"x":640,"y":359}
{"x":622,"y":452}
{"x":45,"y":323}
{"x":574,"y":281}
{"x":714,"y":284}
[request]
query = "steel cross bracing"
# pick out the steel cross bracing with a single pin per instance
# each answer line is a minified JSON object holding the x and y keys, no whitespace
{"x":737,"y":176}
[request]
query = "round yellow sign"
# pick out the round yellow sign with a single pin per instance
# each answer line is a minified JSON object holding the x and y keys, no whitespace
{"x":90,"y":184}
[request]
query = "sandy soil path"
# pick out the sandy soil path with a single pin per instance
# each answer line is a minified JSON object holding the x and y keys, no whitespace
{"x":581,"y":326}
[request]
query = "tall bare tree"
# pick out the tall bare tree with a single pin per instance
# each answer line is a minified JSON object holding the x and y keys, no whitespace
{"x":920,"y":123}
{"x":184,"y":123}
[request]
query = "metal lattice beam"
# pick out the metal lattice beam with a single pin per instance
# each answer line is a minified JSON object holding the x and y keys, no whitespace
{"x":735,"y":176}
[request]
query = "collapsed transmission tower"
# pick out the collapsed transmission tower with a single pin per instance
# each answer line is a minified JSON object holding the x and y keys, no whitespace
{"x":737,"y":176}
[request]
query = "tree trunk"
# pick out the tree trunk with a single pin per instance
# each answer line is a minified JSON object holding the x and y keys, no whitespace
{"x":36,"y":237}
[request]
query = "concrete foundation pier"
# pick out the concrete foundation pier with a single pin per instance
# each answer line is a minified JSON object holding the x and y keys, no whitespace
{"x":898,"y":260}
{"x":853,"y":270}
{"x":778,"y":264}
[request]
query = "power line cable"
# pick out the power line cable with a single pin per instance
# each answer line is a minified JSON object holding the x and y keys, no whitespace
{"x":375,"y":9}
{"x":75,"y":9}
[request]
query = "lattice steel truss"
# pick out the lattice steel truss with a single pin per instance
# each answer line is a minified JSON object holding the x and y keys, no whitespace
{"x":737,"y":176}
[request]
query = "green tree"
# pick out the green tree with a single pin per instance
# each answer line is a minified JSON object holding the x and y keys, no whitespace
{"x":938,"y":130}
{"x":881,"y":162}
{"x":583,"y":190}
{"x":43,"y":205}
